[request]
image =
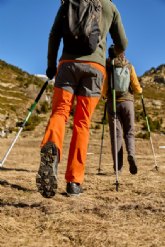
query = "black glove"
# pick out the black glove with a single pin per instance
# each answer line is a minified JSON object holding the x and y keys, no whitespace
{"x":111,"y":52}
{"x":50,"y":72}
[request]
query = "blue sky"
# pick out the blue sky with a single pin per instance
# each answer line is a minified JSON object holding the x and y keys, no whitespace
{"x":25,"y":26}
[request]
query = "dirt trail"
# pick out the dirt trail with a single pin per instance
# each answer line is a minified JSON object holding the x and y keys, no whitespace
{"x":133,"y":216}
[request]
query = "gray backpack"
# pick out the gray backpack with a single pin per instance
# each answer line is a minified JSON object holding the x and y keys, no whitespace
{"x":121,"y":80}
{"x":81,"y":28}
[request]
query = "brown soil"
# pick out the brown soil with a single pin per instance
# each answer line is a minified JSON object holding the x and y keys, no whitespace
{"x":101,"y":216}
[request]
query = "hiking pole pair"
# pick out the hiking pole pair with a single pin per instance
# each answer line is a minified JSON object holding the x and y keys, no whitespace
{"x":24,"y":122}
{"x":102,"y":137}
{"x":149,"y":131}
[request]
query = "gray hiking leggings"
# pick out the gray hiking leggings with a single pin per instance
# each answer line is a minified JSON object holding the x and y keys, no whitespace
{"x":124,"y":126}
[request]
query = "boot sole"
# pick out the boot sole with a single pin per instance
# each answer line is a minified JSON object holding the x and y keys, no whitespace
{"x":72,"y":195}
{"x":46,"y":179}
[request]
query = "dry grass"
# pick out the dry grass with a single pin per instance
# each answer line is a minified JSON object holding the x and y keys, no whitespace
{"x":133,"y":216}
{"x":101,"y":217}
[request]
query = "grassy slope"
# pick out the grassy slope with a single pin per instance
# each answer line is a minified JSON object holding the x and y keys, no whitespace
{"x":18,"y":90}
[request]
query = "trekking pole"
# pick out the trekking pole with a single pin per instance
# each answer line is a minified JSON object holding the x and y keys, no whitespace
{"x":24,"y":122}
{"x":114,"y":121}
{"x":102,"y":137}
{"x":149,"y":131}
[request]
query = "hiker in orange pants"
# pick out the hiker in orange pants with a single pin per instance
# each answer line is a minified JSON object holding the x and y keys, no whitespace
{"x":61,"y":107}
{"x":80,"y":75}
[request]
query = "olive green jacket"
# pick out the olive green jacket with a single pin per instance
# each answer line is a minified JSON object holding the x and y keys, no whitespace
{"x":110,"y":23}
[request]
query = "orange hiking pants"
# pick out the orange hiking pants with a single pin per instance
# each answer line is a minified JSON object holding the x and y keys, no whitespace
{"x":55,"y":130}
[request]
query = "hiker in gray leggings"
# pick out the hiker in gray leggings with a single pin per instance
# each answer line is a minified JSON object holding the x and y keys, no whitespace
{"x":124,"y":128}
{"x":125,"y":115}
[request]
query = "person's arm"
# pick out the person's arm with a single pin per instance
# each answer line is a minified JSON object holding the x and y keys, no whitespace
{"x":118,"y":34}
{"x":135,"y":85}
{"x":54,"y":40}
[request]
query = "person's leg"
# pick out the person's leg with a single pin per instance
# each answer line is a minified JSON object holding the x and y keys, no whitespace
{"x":61,"y":107}
{"x":128,"y":126}
{"x":88,"y":93}
{"x":119,"y":134}
{"x":128,"y":129}
{"x":80,"y":137}
{"x":51,"y":146}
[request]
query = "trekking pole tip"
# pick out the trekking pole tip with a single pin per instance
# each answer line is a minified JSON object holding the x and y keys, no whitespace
{"x":99,"y":171}
{"x":156,"y":168}
{"x":117,"y":186}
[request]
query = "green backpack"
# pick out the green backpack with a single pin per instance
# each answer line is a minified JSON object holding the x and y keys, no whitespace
{"x":122,"y":79}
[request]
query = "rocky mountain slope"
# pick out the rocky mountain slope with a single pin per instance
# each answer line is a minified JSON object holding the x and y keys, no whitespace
{"x":18,"y":90}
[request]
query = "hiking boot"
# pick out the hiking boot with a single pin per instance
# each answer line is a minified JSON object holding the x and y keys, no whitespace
{"x":132,"y":165}
{"x":73,"y":189}
{"x":46,"y":179}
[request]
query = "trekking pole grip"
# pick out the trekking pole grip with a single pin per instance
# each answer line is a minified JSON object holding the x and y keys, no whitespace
{"x":144,"y":109}
{"x":38,"y":96}
{"x":41,"y":91}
